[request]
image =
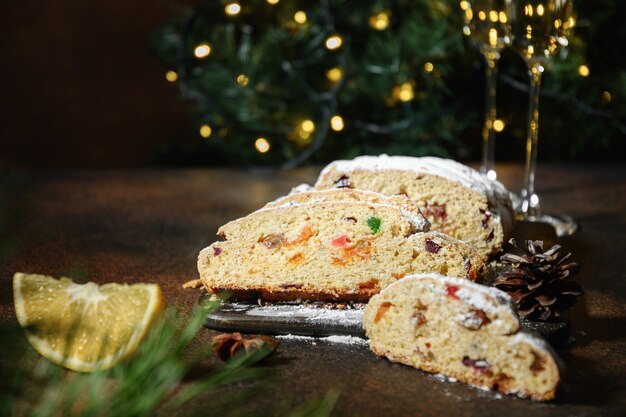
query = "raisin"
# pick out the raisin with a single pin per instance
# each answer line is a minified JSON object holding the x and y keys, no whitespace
{"x":474,"y":320}
{"x":216,"y":251}
{"x":537,"y":365}
{"x":288,"y":286}
{"x":431,"y":246}
{"x":343,"y":182}
{"x":480,"y":366}
{"x":222,"y":236}
{"x":382,"y":310}
{"x":273,"y":241}
{"x":490,"y":237}
{"x":349,"y":219}
{"x":435,"y":210}
{"x":451,"y":290}
{"x":487,"y":218}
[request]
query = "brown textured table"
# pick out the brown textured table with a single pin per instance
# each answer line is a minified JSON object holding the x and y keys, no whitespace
{"x":137,"y":226}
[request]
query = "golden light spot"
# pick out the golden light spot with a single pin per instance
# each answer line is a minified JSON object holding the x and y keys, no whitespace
{"x":467,"y":31}
{"x":539,"y":10}
{"x":493,"y":16}
{"x":171,"y":76}
{"x":273,"y":1}
{"x":333,"y":42}
{"x":307,"y":126}
{"x":404,"y":92}
{"x":558,"y":23}
{"x":498,"y":125}
{"x":232,"y":9}
{"x":429,"y":67}
{"x":571,"y":22}
{"x":380,"y":21}
{"x":202,"y":51}
{"x":528,"y":10}
{"x":465,"y":5}
{"x":336,"y":123}
{"x":205,"y":131}
{"x":502,"y":17}
{"x":242,"y":80}
{"x":493,"y":37}
{"x":334,"y":74}
{"x":606,"y":97}
{"x":469,"y":14}
{"x":482,"y":15}
{"x":583,"y":71}
{"x":262,"y":145}
{"x":300,"y":17}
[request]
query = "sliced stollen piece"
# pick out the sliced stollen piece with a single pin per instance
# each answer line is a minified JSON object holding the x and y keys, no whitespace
{"x":343,"y":251}
{"x":456,"y":199}
{"x":461,"y":329}
{"x":306,"y":194}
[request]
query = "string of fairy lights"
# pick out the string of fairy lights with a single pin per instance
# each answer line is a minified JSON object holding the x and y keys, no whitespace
{"x":303,"y":133}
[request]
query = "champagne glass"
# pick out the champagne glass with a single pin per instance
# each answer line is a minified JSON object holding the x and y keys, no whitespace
{"x":487,"y":24}
{"x":541,"y":28}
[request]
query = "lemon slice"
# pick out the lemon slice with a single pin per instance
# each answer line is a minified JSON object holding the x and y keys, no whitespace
{"x":84,"y":327}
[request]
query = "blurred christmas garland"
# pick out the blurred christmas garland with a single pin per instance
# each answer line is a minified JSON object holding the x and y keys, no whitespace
{"x":277,"y":82}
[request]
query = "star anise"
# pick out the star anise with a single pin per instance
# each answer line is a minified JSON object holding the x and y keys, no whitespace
{"x":228,"y":345}
{"x":538,"y":281}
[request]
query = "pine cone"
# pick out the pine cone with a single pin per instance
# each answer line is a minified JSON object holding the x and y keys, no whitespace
{"x":538,"y":281}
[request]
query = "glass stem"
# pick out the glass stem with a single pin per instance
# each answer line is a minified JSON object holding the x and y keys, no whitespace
{"x":489,"y":145}
{"x":530,"y":203}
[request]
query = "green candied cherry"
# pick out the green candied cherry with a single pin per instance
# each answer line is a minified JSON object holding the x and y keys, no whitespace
{"x":374,"y":224}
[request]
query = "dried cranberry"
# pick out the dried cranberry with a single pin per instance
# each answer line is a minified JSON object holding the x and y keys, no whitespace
{"x":343,"y":182}
{"x":487,"y":218}
{"x":471,"y":271}
{"x":216,"y":251}
{"x":427,"y":344}
{"x":481,"y":366}
{"x":431,"y":246}
{"x":435,"y":210}
{"x":452,"y":290}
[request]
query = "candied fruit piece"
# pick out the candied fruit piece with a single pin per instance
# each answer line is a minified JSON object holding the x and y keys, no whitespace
{"x":537,"y":365}
{"x":451,"y":290}
{"x":418,"y":318}
{"x":216,"y":251}
{"x":369,"y":284}
{"x":382,"y":310}
{"x":341,"y":241}
{"x":374,"y":224}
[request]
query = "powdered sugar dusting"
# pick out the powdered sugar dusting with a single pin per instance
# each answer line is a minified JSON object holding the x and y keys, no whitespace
{"x":311,"y":314}
{"x":343,"y":339}
{"x":497,"y":195}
